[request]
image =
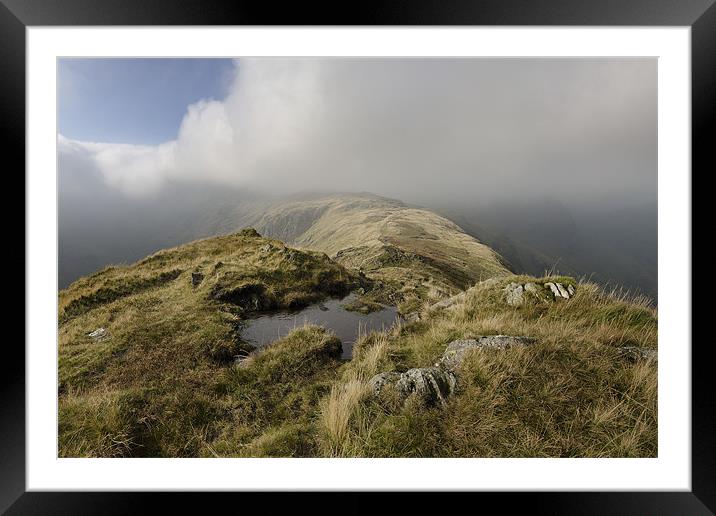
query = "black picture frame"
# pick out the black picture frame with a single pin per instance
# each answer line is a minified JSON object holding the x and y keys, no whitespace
{"x":16,"y":15}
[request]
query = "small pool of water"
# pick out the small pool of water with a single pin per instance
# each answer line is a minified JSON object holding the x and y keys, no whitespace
{"x":347,"y":326}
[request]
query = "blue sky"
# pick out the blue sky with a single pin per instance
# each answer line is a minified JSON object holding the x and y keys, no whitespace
{"x":138,"y":101}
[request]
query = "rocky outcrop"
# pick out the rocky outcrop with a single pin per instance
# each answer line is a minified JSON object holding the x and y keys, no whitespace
{"x":430,"y":384}
{"x":560,"y":291}
{"x":517,"y":293}
{"x":457,"y":349}
{"x":434,"y":384}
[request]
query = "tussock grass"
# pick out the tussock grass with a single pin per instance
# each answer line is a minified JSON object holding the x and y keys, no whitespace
{"x":569,"y":395}
{"x":339,"y":411}
{"x":163,"y":382}
{"x":174,"y":342}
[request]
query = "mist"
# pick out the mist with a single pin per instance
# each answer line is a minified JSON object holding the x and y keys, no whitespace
{"x":489,"y":141}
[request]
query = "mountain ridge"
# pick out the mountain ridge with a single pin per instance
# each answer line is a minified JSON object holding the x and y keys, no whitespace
{"x":152,"y":363}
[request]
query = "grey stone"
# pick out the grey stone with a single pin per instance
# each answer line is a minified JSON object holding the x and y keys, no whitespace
{"x":412,"y":317}
{"x":434,"y":384}
{"x":562,"y":291}
{"x":634,"y":353}
{"x":532,"y":288}
{"x":570,"y":289}
{"x":456,"y":350}
{"x":558,"y":290}
{"x":99,"y":334}
{"x":514,"y":293}
{"x":553,"y":288}
{"x":381,"y":380}
{"x":431,"y":384}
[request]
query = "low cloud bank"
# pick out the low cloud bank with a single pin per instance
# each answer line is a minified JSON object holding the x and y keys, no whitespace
{"x":417,"y":129}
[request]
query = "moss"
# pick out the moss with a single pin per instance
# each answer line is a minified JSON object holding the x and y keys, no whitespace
{"x":113,"y":291}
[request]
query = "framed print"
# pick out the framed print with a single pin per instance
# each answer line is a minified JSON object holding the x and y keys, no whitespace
{"x":440,"y":249}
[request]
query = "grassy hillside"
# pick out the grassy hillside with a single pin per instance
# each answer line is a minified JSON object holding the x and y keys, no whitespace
{"x":579,"y":391}
{"x":417,"y":254}
{"x":147,"y":352}
{"x":148,"y":383}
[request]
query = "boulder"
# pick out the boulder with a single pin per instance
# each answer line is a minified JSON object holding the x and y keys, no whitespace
{"x":381,"y":380}
{"x":431,"y":384}
{"x":532,"y":288}
{"x":515,"y":294}
{"x":456,"y":350}
{"x":412,"y":317}
{"x":559,"y":291}
{"x":562,"y":291}
{"x":434,"y":384}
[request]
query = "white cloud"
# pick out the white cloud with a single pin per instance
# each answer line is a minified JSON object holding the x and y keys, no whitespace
{"x":409,"y":128}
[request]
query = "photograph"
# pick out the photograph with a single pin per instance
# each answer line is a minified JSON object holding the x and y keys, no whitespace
{"x":357,"y":257}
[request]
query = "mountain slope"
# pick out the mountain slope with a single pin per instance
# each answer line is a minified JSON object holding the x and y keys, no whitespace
{"x":418,"y":254}
{"x":146,"y":351}
{"x":142,"y":348}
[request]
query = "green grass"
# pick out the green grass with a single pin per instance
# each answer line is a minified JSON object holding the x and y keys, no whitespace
{"x":174,"y":342}
{"x":569,"y":395}
{"x":163,"y":383}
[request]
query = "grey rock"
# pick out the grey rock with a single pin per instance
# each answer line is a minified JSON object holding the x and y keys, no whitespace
{"x":532,"y":288}
{"x":457,"y":349}
{"x":634,"y":353}
{"x":490,"y":341}
{"x":431,"y":384}
{"x":554,"y":289}
{"x":266,"y":248}
{"x":514,"y":293}
{"x":559,"y":291}
{"x":99,"y":334}
{"x":381,"y":380}
{"x":562,"y":291}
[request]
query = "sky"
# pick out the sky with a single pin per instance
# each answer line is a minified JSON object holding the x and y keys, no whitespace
{"x":550,"y":161}
{"x":582,"y":130}
{"x":134,"y":101}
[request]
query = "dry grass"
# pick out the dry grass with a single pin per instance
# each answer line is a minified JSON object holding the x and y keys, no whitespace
{"x":171,"y":342}
{"x":569,"y":395}
{"x":162,"y":383}
{"x":415,"y":251}
{"x":339,"y":411}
